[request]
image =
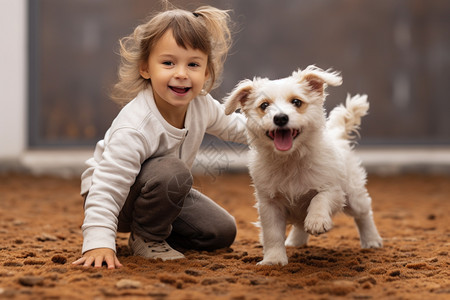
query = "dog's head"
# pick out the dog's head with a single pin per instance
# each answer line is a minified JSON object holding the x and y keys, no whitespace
{"x":282,"y":113}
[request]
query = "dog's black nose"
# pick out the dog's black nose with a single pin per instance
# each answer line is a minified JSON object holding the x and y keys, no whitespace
{"x":281,"y":119}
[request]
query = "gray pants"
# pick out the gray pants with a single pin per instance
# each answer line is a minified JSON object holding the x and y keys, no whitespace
{"x":162,"y":205}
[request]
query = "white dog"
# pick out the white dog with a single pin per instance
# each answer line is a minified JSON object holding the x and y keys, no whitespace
{"x":302,"y":165}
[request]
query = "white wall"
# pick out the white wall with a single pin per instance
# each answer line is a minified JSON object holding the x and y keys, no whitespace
{"x":13,"y":78}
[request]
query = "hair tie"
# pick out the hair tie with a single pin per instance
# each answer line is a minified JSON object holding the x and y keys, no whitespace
{"x":195,"y":14}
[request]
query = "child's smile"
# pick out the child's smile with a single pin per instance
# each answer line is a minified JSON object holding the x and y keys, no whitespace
{"x":180,"y":91}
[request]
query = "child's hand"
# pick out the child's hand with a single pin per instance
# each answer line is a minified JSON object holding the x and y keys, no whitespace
{"x":96,"y":257}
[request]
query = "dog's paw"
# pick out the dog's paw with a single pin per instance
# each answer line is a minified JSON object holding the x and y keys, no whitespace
{"x":274,"y":258}
{"x":273,"y":262}
{"x":374,"y":243}
{"x":295,"y":243}
{"x":317,"y":224}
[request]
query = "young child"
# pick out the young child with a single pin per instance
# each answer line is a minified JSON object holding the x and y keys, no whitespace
{"x":139,"y":178}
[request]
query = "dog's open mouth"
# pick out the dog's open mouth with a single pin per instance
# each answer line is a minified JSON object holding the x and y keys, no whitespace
{"x":283,"y":138}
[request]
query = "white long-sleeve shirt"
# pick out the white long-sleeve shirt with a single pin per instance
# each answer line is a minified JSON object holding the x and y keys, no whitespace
{"x":137,"y":133}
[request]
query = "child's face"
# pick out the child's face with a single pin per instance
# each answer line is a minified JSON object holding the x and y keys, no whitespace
{"x":177,"y":74}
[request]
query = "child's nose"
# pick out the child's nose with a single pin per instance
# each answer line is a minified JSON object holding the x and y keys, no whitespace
{"x":181,"y":73}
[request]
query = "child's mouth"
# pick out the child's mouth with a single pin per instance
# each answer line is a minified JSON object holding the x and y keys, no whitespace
{"x":179,"y":90}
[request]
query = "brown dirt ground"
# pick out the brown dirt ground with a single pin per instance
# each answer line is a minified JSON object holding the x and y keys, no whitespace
{"x":40,"y":219}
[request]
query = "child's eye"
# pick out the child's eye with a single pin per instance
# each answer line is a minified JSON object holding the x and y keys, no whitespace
{"x":264,"y":105}
{"x":167,"y":63}
{"x":193,"y":65}
{"x":297,"y":102}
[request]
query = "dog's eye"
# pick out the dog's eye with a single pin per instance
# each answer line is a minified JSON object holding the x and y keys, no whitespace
{"x":297,"y":102}
{"x":264,"y":105}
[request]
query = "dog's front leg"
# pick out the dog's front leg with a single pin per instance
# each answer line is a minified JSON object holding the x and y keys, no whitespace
{"x":320,"y":210}
{"x":273,"y":227}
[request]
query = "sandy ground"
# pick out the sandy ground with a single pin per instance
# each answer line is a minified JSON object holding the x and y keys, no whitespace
{"x":40,"y":219}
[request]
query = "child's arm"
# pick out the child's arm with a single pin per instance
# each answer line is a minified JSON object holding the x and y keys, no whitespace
{"x":227,"y":127}
{"x":125,"y":150}
{"x":96,"y":257}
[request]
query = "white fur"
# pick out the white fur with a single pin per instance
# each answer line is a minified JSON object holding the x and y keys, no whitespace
{"x":319,"y":175}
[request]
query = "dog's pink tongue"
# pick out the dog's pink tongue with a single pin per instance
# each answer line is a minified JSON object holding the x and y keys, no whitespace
{"x":282,"y":140}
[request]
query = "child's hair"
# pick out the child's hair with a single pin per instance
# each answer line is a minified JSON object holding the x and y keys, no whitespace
{"x":206,"y":29}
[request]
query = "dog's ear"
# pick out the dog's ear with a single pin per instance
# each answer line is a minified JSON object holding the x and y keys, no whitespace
{"x":238,"y":96}
{"x":318,"y":79}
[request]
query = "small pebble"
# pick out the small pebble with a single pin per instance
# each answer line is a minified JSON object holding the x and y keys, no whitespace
{"x":193,"y":272}
{"x":128,"y":284}
{"x":367,"y":279}
{"x":394,"y":273}
{"x":13,"y":264}
{"x":31,"y":280}
{"x":46,"y":238}
{"x":59,"y":259}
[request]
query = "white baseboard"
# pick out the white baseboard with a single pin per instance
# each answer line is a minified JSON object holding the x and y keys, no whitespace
{"x":377,"y":160}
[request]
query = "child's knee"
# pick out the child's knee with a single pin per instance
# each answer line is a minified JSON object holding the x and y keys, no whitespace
{"x":223,"y":235}
{"x":229,"y":234}
{"x":207,"y":234}
{"x":163,"y":181}
{"x":166,"y":172}
{"x":163,"y":168}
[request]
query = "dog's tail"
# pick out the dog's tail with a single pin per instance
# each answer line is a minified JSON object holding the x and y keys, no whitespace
{"x":344,"y":121}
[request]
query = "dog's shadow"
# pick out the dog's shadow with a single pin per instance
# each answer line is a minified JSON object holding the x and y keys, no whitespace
{"x":348,"y":260}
